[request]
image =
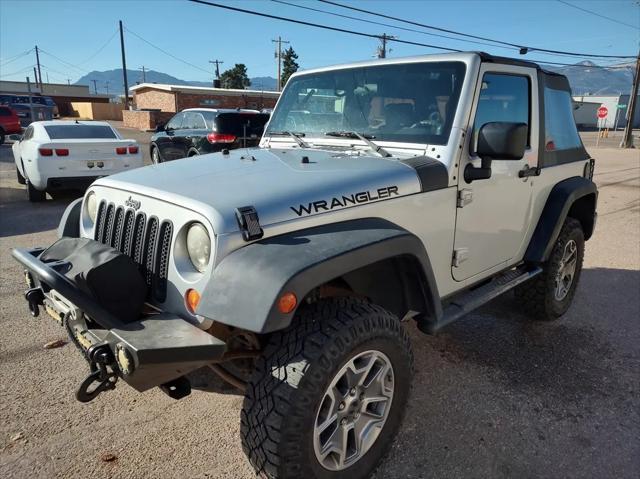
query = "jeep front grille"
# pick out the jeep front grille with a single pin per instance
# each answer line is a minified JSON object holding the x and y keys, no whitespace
{"x":146,"y":240}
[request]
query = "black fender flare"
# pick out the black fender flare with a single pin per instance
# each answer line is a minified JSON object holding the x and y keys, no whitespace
{"x":576,"y":197}
{"x":244,"y":288}
{"x":69,"y":225}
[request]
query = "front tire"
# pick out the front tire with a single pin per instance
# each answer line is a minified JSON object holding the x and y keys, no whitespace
{"x":34,"y":195}
{"x":155,"y":156}
{"x":328,"y":394}
{"x":549,"y":295}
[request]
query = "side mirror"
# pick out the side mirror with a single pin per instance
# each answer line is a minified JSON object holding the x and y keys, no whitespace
{"x":160,"y":127}
{"x":497,"y":141}
{"x":15,"y":137}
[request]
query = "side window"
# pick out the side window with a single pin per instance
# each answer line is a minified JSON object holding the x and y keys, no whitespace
{"x":504,"y":98}
{"x":28,"y":134}
{"x":5,"y":112}
{"x":198,"y":122}
{"x":176,"y":122}
{"x":560,"y":127}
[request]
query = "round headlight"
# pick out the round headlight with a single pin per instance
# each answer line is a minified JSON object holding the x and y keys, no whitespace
{"x":198,"y":246}
{"x":91,"y":206}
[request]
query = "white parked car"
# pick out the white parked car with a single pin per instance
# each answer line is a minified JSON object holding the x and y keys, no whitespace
{"x":59,"y":155}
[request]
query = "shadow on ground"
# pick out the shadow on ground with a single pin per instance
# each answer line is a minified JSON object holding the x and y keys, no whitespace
{"x":18,"y":216}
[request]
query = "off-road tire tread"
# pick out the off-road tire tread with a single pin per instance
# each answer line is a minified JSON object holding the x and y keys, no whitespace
{"x":335,"y":322}
{"x":536,"y":296}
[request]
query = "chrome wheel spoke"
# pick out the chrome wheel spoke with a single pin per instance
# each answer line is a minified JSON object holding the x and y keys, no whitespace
{"x":566,"y":270}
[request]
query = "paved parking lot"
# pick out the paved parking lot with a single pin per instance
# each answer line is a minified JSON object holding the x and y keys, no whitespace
{"x":494,"y":394}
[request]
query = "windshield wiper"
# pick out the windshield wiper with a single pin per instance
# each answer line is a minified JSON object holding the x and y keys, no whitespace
{"x":296,"y":136}
{"x":354,"y":134}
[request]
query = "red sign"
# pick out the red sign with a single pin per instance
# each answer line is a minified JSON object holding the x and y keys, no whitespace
{"x":603,"y":112}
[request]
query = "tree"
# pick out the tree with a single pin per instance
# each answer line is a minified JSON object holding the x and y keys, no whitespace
{"x":289,"y":65}
{"x":235,"y":77}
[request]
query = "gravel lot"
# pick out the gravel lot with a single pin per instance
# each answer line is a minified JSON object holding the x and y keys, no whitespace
{"x":494,"y":395}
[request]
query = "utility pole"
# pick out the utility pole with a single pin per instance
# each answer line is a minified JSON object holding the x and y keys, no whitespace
{"x":382,"y":49}
{"x":68,"y":81}
{"x":47,"y":73}
{"x":95,"y":88}
{"x":39,"y":79}
{"x":217,"y":63}
{"x":107,"y":85}
{"x":278,"y":55}
{"x":33,"y":118}
{"x":35,"y":75}
{"x":124,"y":70}
{"x":627,"y":137}
{"x":144,"y":74}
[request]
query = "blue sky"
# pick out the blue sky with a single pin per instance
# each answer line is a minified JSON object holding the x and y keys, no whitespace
{"x":74,"y":31}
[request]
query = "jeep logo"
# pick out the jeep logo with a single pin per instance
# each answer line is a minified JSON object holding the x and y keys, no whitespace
{"x":131,"y":203}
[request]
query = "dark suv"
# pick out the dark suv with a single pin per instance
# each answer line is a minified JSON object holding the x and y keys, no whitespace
{"x":199,"y":131}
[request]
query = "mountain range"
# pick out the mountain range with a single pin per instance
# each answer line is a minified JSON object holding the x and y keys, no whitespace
{"x":113,"y":78}
{"x":586,"y":78}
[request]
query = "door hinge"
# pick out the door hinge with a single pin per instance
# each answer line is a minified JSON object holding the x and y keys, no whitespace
{"x":460,"y":255}
{"x":465,"y":196}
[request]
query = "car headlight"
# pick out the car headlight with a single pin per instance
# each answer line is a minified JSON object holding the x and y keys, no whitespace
{"x":198,"y":246}
{"x":91,"y":206}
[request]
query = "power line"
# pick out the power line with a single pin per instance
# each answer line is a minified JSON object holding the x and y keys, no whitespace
{"x":523,"y":48}
{"x":391,"y":26}
{"x":317,"y":25}
{"x":82,"y":70}
{"x":598,"y":14}
{"x":25,"y":69}
{"x":166,"y":52}
{"x":100,"y":49}
{"x":12,"y":59}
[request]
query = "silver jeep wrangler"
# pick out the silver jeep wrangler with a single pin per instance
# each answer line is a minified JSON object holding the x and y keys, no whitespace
{"x":382,"y":192}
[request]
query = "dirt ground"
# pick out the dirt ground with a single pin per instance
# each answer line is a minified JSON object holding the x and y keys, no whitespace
{"x":494,"y":394}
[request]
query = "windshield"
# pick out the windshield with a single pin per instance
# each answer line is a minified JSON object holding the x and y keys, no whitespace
{"x":62,"y":132}
{"x":413,"y":103}
{"x":237,"y":123}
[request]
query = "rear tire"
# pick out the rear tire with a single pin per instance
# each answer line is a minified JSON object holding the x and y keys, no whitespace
{"x":548,"y":296}
{"x":2,"y":136}
{"x":328,"y":394}
{"x":34,"y":195}
{"x":21,"y":179}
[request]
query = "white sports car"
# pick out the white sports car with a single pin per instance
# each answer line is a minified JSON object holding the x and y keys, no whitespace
{"x":58,"y":155}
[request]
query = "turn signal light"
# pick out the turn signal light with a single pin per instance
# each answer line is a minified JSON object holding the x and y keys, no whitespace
{"x":192,"y":299}
{"x":121,"y":150}
{"x":220,"y":138}
{"x":46,"y":151}
{"x":133,"y":149}
{"x":287,"y":303}
{"x":62,"y":152}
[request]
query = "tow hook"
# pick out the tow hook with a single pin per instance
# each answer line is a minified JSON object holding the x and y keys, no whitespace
{"x":101,"y":360}
{"x":34,"y":297}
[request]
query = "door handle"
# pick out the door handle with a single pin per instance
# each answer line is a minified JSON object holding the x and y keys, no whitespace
{"x":527,"y":171}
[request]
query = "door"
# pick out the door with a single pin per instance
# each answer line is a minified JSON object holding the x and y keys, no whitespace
{"x":164,"y":140}
{"x":491,"y":226}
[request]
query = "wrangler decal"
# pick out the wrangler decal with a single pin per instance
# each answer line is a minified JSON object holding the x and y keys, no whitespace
{"x":345,"y":200}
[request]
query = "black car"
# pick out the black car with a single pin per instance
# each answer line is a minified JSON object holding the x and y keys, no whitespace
{"x":199,"y":131}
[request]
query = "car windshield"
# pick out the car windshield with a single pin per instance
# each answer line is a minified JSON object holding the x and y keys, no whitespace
{"x":67,"y":132}
{"x":237,"y":123}
{"x":413,"y":103}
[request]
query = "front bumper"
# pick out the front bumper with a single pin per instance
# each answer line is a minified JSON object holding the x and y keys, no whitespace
{"x":153,"y":351}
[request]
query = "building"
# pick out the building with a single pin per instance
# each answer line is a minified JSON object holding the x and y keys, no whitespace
{"x":62,"y":94}
{"x":156,"y":103}
{"x":617,"y":106}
